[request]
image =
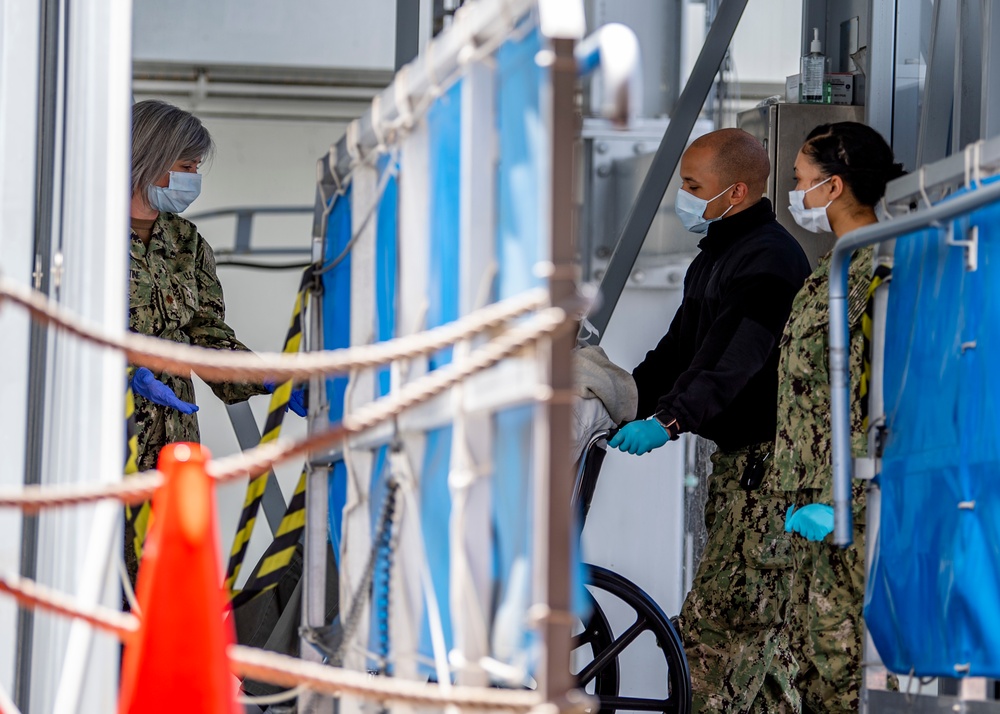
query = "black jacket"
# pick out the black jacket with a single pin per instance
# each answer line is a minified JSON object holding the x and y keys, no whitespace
{"x":715,"y":371}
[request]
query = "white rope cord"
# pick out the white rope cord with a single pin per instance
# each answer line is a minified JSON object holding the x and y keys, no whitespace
{"x":288,"y":671}
{"x":382,"y":410}
{"x":259,"y":460}
{"x":222,"y":365}
{"x":33,"y":595}
{"x":280,"y":669}
{"x":133,"y":490}
{"x":266,"y":700}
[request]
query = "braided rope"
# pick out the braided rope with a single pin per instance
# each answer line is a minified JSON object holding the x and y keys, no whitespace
{"x":223,"y":365}
{"x":259,"y":460}
{"x":280,"y":669}
{"x":33,"y":595}
{"x":131,"y":491}
{"x":288,"y":672}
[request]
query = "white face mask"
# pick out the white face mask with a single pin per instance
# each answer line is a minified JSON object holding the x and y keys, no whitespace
{"x":812,"y":219}
{"x":184,"y":188}
{"x":691,"y":210}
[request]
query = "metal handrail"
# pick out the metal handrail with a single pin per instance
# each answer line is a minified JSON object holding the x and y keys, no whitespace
{"x":840,"y":380}
{"x":244,"y":226}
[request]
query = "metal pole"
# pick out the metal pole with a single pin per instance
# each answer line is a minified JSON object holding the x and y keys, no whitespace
{"x":49,"y":77}
{"x":934,"y":136}
{"x":407,"y":31}
{"x":248,"y":436}
{"x":989,"y":125}
{"x":840,"y":380}
{"x":874,"y":672}
{"x":880,"y":75}
{"x":314,"y":559}
{"x":555,"y":678}
{"x":647,"y":202}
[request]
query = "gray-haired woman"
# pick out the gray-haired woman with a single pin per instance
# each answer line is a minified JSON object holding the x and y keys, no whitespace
{"x":174,"y":292}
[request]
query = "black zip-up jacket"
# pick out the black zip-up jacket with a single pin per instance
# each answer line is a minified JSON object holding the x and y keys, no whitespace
{"x":716,"y":370}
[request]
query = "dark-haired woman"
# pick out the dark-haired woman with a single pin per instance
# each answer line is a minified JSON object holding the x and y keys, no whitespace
{"x":841,"y":173}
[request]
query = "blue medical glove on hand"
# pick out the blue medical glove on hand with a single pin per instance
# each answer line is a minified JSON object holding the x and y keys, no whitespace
{"x":146,"y":385}
{"x":296,"y":402}
{"x":813,"y":522}
{"x":640,"y":437}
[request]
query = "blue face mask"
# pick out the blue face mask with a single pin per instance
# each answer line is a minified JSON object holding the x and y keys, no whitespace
{"x":184,"y":188}
{"x":691,"y":210}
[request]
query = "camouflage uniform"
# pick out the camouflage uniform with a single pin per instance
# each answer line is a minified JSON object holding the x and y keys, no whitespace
{"x":731,"y":621}
{"x":824,"y":610}
{"x":174,"y":294}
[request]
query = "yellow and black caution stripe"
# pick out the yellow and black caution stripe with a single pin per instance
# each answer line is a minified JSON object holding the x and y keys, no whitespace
{"x":882,"y":273}
{"x":279,"y":554}
{"x":272,"y":429}
{"x":137,"y":517}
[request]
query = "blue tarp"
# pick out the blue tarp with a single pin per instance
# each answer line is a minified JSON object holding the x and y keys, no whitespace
{"x":933,"y":601}
{"x":337,"y":334}
{"x":521,"y":180}
{"x":386,"y":277}
{"x":444,"y":124}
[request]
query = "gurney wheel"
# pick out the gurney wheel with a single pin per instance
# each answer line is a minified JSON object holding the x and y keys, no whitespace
{"x":596,"y":637}
{"x":604,"y":669}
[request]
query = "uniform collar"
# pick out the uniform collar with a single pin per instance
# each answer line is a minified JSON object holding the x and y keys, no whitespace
{"x":723,"y":233}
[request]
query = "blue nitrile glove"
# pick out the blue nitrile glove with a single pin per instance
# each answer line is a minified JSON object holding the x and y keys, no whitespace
{"x":813,"y":522}
{"x":640,"y":437}
{"x":146,"y":385}
{"x":296,"y":402}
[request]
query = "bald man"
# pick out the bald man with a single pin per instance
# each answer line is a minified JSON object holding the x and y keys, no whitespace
{"x":715,"y":374}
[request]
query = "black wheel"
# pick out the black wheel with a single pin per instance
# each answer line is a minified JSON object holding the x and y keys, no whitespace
{"x":604,"y":669}
{"x":588,"y":646}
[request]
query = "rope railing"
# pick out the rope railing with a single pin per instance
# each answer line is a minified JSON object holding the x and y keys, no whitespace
{"x":281,"y":670}
{"x":34,"y":595}
{"x":259,"y":460}
{"x":223,"y":365}
{"x":288,"y":671}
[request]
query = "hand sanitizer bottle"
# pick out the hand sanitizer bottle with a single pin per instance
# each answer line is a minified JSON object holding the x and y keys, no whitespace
{"x":813,"y":69}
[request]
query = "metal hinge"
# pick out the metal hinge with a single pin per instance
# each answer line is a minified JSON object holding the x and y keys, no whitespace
{"x":57,"y":270}
{"x":37,"y":274}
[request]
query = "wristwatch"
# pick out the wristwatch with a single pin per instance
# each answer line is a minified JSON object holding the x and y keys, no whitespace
{"x":669,"y":425}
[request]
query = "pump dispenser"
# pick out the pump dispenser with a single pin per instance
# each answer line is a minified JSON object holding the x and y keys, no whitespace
{"x":813,"y":69}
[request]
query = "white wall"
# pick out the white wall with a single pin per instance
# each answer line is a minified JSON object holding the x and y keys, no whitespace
{"x":257,"y":163}
{"x":766,"y":44}
{"x":303,"y":33}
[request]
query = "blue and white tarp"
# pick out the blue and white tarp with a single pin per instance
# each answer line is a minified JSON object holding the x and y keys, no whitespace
{"x":933,"y":601}
{"x":459,"y":219}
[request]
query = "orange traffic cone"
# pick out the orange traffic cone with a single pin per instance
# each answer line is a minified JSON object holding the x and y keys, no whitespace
{"x":177,"y":660}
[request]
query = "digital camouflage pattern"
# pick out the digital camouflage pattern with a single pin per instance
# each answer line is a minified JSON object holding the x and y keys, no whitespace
{"x":802,"y":458}
{"x":175,"y":294}
{"x":827,"y":595}
{"x":732,"y":620}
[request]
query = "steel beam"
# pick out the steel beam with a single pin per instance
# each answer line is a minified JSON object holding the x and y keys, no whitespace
{"x":665,"y":161}
{"x":934,"y":137}
{"x":880,"y":77}
{"x":50,"y":70}
{"x":248,"y":436}
{"x":989,"y":125}
{"x":407,"y":31}
{"x":968,"y":82}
